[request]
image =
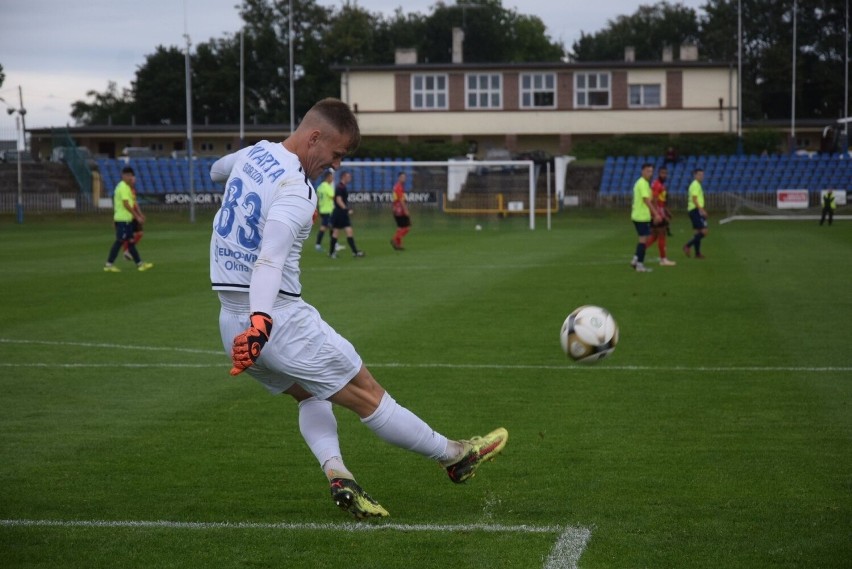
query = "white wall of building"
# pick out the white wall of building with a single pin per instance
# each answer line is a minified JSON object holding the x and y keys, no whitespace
{"x":540,"y":122}
{"x":374,"y":94}
{"x":371,"y":91}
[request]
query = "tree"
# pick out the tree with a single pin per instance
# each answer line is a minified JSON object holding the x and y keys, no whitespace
{"x":2,"y":75}
{"x":157,"y":95}
{"x":767,"y":54}
{"x":351,"y":35}
{"x":530,"y":42}
{"x":267,"y":62}
{"x":160,"y":88}
{"x":648,"y":30}
{"x":398,"y":31}
{"x":216,"y":82}
{"x":493,"y":34}
{"x":767,"y":49}
{"x":108,"y":107}
{"x":322,"y":37}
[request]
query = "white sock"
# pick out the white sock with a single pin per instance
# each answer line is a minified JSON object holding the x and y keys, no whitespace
{"x":319,"y":429}
{"x":400,"y":427}
{"x":334,"y":468}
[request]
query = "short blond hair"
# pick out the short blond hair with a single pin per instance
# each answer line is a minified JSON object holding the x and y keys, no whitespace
{"x":337,"y":114}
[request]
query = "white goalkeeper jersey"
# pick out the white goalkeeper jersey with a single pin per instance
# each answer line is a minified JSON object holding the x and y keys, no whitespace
{"x":265,"y":184}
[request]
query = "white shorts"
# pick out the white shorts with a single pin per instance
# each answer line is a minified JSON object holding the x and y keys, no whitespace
{"x":302,"y":348}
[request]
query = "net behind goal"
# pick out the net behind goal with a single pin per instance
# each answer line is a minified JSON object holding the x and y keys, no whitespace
{"x":456,"y":186}
{"x":783,"y":205}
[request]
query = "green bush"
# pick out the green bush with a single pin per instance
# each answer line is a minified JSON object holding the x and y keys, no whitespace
{"x":760,"y":140}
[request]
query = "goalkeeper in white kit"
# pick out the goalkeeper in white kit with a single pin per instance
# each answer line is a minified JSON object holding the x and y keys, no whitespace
{"x":281,"y":340}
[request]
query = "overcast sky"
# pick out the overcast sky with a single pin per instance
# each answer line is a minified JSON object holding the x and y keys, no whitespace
{"x":57,"y":50}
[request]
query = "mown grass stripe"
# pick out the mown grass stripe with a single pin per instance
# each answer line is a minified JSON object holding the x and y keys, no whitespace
{"x":437,"y":365}
{"x":305,"y":526}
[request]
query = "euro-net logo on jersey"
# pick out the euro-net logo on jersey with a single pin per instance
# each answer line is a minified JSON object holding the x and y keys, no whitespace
{"x":224,"y":252}
{"x":231,"y":260}
{"x":792,"y":199}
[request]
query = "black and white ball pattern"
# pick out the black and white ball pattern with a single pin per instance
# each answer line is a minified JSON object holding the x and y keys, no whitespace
{"x":589,"y":334}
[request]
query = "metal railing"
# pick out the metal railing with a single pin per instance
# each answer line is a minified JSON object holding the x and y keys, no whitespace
{"x":76,"y":161}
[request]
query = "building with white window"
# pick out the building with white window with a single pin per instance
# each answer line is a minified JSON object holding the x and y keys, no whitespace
{"x":541,"y":106}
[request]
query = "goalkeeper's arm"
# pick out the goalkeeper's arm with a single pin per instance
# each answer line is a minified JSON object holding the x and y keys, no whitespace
{"x":220,"y":171}
{"x":278,"y":239}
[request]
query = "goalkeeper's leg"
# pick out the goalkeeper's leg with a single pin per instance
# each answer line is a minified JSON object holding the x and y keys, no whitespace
{"x":397,"y":425}
{"x":319,"y":429}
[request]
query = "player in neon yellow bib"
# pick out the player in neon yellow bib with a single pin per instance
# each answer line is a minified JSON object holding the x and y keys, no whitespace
{"x":642,"y":213}
{"x":325,"y":205}
{"x":697,"y":214}
{"x":126,"y":211}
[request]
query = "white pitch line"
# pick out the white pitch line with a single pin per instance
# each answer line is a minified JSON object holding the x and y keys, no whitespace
{"x":565,"y":554}
{"x":111,"y":346}
{"x":481,"y":267}
{"x":428,"y":365}
{"x":111,"y":366}
{"x":568,"y":548}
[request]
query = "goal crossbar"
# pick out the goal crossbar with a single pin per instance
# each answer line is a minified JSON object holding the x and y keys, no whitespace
{"x":457,"y":175}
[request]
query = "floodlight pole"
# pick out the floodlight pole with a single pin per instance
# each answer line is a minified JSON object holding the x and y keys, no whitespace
{"x":20,"y":205}
{"x":242,"y":89}
{"x":292,"y":86}
{"x":793,"y":88}
{"x":23,"y":113}
{"x":20,"y":146}
{"x":189,"y":131}
{"x":739,"y":77}
{"x":846,"y":86}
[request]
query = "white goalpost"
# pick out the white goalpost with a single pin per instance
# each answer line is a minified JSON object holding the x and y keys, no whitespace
{"x":460,"y":187}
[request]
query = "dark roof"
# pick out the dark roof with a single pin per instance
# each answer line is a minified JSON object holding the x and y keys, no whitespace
{"x":166,"y":129}
{"x":468,"y":66}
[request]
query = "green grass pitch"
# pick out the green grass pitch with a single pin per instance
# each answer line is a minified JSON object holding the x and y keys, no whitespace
{"x":718,"y":435}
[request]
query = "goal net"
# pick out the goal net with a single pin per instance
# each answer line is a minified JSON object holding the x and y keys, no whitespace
{"x":459,"y":187}
{"x":783,"y":205}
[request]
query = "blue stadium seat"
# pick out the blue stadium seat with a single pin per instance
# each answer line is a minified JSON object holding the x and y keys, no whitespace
{"x":357,"y":174}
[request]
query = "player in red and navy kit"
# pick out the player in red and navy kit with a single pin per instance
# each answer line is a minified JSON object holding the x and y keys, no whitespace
{"x":400,"y":212}
{"x":660,"y":229}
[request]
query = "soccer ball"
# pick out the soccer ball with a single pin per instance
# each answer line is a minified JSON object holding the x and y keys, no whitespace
{"x":589,"y":334}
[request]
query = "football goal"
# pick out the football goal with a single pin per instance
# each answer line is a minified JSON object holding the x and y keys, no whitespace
{"x":458,"y":187}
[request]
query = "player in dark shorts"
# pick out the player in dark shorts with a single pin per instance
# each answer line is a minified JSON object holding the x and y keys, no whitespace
{"x":340,"y":217}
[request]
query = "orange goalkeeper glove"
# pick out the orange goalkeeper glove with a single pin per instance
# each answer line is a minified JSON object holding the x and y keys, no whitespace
{"x":247,"y":344}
